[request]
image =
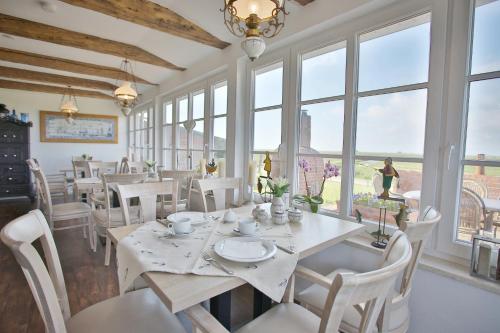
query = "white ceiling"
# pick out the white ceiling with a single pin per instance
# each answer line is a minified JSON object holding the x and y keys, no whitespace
{"x":179,"y":51}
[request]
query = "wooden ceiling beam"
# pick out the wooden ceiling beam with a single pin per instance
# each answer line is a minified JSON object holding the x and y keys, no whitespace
{"x":24,"y":74}
{"x":66,"y":65}
{"x":47,"y":33}
{"x":7,"y":84}
{"x":304,"y":2}
{"x":151,"y":15}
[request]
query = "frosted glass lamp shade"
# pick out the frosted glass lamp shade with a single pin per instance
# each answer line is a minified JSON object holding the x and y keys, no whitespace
{"x":125,"y":92}
{"x":253,"y":47}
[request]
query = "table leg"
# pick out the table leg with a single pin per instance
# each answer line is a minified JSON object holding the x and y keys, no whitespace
{"x":261,"y":303}
{"x":220,"y":308}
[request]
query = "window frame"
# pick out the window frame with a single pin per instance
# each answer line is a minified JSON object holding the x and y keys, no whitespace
{"x":150,"y":130}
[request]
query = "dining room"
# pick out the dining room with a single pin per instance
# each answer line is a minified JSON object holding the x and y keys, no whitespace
{"x":249,"y":166}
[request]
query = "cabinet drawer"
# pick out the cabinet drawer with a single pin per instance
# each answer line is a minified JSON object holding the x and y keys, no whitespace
{"x":15,"y":178}
{"x":8,"y":169}
{"x":13,"y":134}
{"x":13,"y":154}
{"x":12,"y":190}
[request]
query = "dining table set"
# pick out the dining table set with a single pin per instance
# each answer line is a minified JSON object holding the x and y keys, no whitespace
{"x":192,"y":257}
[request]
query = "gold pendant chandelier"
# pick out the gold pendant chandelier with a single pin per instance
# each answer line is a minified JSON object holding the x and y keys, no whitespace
{"x":126,"y":94}
{"x":254,"y":19}
{"x":68,"y":105}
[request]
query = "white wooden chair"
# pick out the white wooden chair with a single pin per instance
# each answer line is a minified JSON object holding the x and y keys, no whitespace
{"x":185,"y":183}
{"x":65,"y":211}
{"x":138,"y":311}
{"x":99,"y":168}
{"x":81,"y":168}
{"x":106,"y":216}
{"x":395,"y":316}
{"x":362,"y":292}
{"x":218,"y":188}
{"x":123,"y":165}
{"x":148,"y":194}
{"x":58,"y":184}
{"x":135,"y":167}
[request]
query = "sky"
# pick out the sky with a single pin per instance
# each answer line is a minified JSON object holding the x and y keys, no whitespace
{"x":391,"y":123}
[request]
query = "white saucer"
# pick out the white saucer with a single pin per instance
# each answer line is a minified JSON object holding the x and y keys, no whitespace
{"x":184,"y":234}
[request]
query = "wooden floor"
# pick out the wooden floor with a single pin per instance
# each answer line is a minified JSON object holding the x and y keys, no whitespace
{"x":88,"y":281}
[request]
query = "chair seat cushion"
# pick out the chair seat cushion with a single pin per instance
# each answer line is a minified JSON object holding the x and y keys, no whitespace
{"x":315,"y":296}
{"x":137,"y":311}
{"x":101,"y":216}
{"x":285,"y":317}
{"x":70,"y":210}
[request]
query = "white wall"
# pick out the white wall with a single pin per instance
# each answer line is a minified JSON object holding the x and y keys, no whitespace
{"x":56,"y":156}
{"x":437,"y":303}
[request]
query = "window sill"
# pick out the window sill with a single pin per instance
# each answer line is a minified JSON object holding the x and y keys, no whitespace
{"x":455,"y":271}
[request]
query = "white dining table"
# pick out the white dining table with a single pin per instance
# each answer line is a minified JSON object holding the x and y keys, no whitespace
{"x":178,"y":292}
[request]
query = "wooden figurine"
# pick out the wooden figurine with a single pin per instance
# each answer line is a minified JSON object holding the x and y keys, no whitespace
{"x":388,"y":173}
{"x":267,"y":165}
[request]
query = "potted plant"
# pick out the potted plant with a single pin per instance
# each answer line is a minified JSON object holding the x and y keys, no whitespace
{"x":278,"y":187}
{"x":151,"y":165}
{"x":315,"y":200}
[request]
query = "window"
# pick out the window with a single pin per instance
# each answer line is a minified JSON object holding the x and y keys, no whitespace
{"x":219,"y":121}
{"x":267,"y":108}
{"x":208,"y":111}
{"x":480,"y":158}
{"x":391,"y":112}
{"x":141,"y":133}
{"x":321,"y":120}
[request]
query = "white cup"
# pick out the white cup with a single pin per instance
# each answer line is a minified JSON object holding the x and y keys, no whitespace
{"x":247,"y":226}
{"x":181,"y":225}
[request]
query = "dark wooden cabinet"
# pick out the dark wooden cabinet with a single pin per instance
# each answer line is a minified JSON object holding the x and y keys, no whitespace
{"x":15,"y":176}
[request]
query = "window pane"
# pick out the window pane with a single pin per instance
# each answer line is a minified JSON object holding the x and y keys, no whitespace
{"x":181,"y":137}
{"x":167,"y":136}
{"x":331,"y":191}
{"x":323,"y":72}
{"x":219,"y":133}
{"x":220,"y":100}
{"x":486,"y":49}
{"x":197,"y":156}
{"x":182,"y":160}
{"x":198,"y":138}
{"x":396,"y":55}
{"x":167,"y":159}
{"x":483,"y":126}
{"x":268,"y":86}
{"x":481,"y":186}
{"x":183,"y":110}
{"x":199,"y":106}
{"x":167,"y":113}
{"x":218,"y":155}
{"x":321,"y":128}
{"x":368,"y":185}
{"x":267,"y":130}
{"x":392,"y":124}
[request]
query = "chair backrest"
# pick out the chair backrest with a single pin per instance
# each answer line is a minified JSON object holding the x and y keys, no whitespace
{"x":118,"y":179}
{"x":32,"y":163}
{"x":218,"y":186}
{"x":147,"y":194}
{"x":476,"y":187}
{"x":45,"y":281}
{"x":43,"y":192}
{"x":370,"y":289}
{"x":472,"y":210}
{"x":184,"y":179}
{"x":99,"y":168}
{"x":80,"y":167}
{"x":136,"y":167}
{"x":417,"y":233}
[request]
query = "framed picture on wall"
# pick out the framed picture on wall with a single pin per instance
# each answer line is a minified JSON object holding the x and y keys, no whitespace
{"x":86,"y":128}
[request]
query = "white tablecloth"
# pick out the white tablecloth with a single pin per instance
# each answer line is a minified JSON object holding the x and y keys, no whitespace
{"x":149,"y":248}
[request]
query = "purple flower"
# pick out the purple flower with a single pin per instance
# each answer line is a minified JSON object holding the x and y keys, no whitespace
{"x":330,"y":170}
{"x":304,"y":165}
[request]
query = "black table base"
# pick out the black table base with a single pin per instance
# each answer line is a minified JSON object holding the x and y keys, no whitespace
{"x":220,"y":308}
{"x":261,"y":303}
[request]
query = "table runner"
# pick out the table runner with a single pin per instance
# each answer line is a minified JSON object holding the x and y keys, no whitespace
{"x":149,"y":248}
